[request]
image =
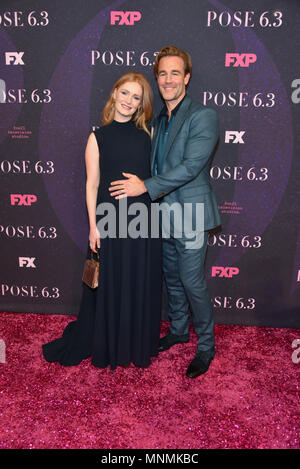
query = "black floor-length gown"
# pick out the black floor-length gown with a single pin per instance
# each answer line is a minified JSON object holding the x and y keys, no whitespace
{"x":119,"y":322}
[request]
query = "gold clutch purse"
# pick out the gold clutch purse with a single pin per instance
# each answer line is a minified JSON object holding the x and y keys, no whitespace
{"x":91,"y":271}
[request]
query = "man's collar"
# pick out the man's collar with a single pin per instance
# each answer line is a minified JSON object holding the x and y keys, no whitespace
{"x":164,"y":111}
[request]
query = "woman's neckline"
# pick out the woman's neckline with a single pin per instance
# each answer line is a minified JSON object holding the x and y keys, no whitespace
{"x":122,"y":123}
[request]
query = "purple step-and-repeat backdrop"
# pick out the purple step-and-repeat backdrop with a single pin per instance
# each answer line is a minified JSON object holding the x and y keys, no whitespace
{"x":58,"y":61}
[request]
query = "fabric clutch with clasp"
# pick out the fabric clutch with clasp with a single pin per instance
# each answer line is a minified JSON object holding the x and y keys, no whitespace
{"x":91,"y":271}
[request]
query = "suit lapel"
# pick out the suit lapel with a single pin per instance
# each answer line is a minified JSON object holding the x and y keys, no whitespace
{"x":178,"y":121}
{"x":154,"y":143}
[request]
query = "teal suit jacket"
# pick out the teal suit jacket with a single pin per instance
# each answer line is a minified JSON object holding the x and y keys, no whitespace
{"x":185,"y":175}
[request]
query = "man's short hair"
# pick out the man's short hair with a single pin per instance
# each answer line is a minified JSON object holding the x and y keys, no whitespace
{"x":175,"y":52}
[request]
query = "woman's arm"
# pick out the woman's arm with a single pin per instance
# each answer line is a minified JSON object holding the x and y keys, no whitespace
{"x":92,"y":184}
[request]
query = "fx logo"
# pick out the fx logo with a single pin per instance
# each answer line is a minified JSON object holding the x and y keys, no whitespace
{"x":22,"y":199}
{"x":235,"y":136}
{"x":14,"y":58}
{"x":127,"y":18}
{"x":27,"y":262}
{"x":224,"y":271}
{"x":239,"y":60}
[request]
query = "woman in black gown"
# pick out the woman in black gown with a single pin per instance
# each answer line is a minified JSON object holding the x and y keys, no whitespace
{"x":119,"y":322}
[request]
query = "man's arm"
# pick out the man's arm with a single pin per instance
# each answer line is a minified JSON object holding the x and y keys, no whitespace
{"x":202,"y":139}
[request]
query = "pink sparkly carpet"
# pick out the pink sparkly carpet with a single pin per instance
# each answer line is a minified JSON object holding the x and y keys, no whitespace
{"x":248,"y":399}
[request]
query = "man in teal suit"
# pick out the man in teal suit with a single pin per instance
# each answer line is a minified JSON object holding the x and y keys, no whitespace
{"x":184,"y":136}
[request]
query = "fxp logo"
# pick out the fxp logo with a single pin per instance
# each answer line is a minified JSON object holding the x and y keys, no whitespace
{"x":239,"y":60}
{"x":22,"y":199}
{"x":227,"y":272}
{"x":125,"y":18}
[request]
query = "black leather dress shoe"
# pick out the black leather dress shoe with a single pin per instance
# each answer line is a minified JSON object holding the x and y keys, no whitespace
{"x":169,"y":340}
{"x":200,"y":364}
